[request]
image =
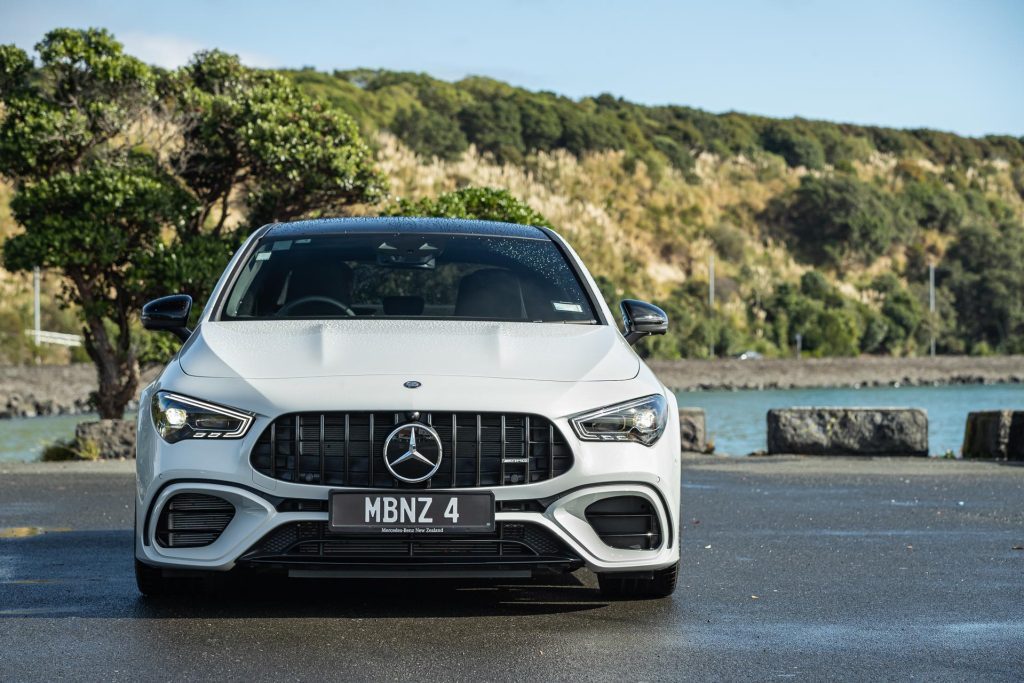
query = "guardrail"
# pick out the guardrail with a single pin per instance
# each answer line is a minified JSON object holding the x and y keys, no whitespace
{"x":44,"y":337}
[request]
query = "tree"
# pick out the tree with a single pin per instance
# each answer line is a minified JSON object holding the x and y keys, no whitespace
{"x":796,"y":148}
{"x":984,"y":270}
{"x":480,"y":203}
{"x":126,"y":180}
{"x":430,"y":134}
{"x":494,"y":126}
{"x":838,"y":218}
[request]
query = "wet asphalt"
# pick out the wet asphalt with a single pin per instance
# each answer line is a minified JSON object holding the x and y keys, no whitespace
{"x":793,"y":569}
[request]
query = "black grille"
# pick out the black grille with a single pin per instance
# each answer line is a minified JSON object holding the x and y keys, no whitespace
{"x":345,"y":449}
{"x":192,"y":520}
{"x":311,"y":542}
{"x":627,"y":522}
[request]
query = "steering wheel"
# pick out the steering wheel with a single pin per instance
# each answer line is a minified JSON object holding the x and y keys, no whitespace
{"x":287,"y":308}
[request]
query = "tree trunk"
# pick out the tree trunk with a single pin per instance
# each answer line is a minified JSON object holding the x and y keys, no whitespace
{"x":117,"y":368}
{"x":118,"y":380}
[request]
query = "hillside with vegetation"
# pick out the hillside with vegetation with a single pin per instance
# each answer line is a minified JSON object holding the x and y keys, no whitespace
{"x":819,"y":229}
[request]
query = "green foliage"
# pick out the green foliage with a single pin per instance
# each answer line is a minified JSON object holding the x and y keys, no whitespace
{"x":98,"y":226}
{"x":796,"y":148}
{"x":64,"y":450}
{"x":125,"y":178}
{"x":235,"y":147}
{"x":429,"y":133}
{"x":509,"y":122}
{"x":931,"y":206}
{"x":839,"y":219}
{"x":984,"y":271}
{"x":58,"y":451}
{"x":480,"y":203}
{"x":828,"y":324}
{"x":495,"y":127}
{"x":296,"y":156}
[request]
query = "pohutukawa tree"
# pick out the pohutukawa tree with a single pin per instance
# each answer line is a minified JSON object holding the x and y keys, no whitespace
{"x":134,"y":182}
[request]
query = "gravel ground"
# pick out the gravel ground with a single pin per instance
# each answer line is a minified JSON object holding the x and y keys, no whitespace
{"x":793,"y":568}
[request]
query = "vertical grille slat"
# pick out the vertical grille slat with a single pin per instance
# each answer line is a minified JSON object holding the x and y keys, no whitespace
{"x":297,"y":451}
{"x":455,"y":448}
{"x":526,"y":448}
{"x":479,"y":448}
{"x":370,"y":460}
{"x":346,"y":449}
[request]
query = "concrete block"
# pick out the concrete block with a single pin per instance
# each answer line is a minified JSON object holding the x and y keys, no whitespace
{"x":692,"y":430}
{"x":848,"y":431}
{"x":996,"y":434}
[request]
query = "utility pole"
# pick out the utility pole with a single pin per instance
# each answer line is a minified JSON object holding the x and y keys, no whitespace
{"x":711,"y":299}
{"x":36,"y":323}
{"x":931,"y":305}
{"x":37,"y":326}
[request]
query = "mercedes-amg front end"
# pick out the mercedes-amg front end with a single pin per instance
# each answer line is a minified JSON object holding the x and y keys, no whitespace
{"x":426,"y":397}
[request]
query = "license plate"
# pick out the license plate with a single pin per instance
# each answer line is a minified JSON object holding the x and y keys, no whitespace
{"x":380,"y":512}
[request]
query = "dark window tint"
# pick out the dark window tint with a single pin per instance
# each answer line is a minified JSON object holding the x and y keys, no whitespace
{"x":407,"y":276}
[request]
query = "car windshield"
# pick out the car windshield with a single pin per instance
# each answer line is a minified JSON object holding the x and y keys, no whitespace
{"x":408,"y":276}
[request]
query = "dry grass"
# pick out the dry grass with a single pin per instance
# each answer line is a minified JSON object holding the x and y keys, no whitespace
{"x":648,"y":233}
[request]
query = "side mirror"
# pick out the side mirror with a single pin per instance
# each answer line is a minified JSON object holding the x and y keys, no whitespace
{"x":169,"y":313}
{"x":640,"y":319}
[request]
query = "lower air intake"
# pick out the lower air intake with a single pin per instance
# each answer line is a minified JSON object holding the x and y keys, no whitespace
{"x":625,"y":522}
{"x":193,"y":520}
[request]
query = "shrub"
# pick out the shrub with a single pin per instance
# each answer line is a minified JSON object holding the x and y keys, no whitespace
{"x":430,"y":134}
{"x":796,"y":148}
{"x":839,"y":218}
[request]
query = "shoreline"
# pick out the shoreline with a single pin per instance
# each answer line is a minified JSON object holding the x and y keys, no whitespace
{"x":815,"y":373}
{"x":43,"y":390}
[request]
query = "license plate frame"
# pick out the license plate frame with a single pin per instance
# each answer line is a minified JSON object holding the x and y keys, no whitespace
{"x":355,"y":512}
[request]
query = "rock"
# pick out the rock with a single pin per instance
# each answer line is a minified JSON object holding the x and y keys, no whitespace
{"x":997,"y":434}
{"x":106,"y":439}
{"x":848,"y":431}
{"x":47,"y":406}
{"x":692,"y":430}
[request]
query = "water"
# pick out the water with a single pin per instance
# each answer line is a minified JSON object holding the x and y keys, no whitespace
{"x":23,"y":438}
{"x":736,"y":419}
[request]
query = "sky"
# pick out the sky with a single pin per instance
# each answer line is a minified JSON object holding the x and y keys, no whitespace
{"x":954,"y":65}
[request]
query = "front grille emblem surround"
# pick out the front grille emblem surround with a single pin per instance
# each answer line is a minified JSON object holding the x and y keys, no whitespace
{"x":413,"y":452}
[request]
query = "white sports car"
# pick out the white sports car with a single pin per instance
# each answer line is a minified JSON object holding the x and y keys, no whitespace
{"x":381,"y":397}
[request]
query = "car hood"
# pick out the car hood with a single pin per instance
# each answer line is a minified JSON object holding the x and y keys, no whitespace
{"x":411,"y":348}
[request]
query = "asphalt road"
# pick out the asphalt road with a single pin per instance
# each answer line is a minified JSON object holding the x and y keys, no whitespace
{"x":792,"y":569}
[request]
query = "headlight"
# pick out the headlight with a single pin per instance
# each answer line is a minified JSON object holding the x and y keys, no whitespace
{"x":179,"y":417}
{"x":640,"y":420}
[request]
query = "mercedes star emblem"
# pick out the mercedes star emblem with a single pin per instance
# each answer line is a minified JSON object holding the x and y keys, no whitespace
{"x":412,"y":452}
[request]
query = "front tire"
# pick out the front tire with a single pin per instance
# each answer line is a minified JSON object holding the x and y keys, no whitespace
{"x":661,"y":584}
{"x":153,"y":584}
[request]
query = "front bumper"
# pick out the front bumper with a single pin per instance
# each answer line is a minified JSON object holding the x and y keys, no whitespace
{"x":257,"y":516}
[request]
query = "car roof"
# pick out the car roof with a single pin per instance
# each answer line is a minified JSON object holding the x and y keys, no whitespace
{"x":402,"y":224}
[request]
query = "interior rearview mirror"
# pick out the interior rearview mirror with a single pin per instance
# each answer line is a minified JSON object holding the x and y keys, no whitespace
{"x":640,"y":319}
{"x":169,"y":313}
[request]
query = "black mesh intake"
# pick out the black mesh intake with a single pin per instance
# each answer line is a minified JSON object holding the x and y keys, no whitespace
{"x":310,"y":542}
{"x":346,"y":449}
{"x":192,"y":520}
{"x":626,"y":522}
